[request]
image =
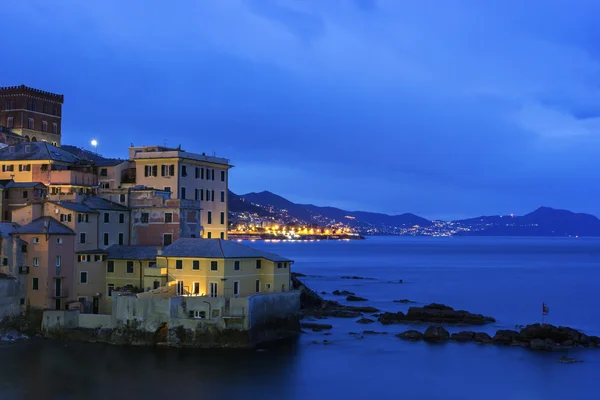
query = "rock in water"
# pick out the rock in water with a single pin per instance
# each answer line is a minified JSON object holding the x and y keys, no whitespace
{"x":355,"y":298}
{"x":441,"y":313}
{"x":342,"y":293}
{"x":315,"y":327}
{"x":410,"y":335}
{"x":482,"y":337}
{"x":404,"y":301}
{"x":464,"y":336}
{"x":436,"y":333}
{"x":505,"y":336}
{"x":538,"y":344}
{"x":365,"y":321}
{"x":374,"y":333}
{"x":388,"y":318}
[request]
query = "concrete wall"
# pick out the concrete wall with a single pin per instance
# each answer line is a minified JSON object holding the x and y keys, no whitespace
{"x":95,"y":321}
{"x":60,"y":319}
{"x":11,"y":293}
{"x":267,"y":306}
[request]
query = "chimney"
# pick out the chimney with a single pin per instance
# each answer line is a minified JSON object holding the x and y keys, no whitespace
{"x":159,"y":251}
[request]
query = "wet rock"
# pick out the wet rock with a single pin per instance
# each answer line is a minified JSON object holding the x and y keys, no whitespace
{"x":374,"y":333}
{"x":342,"y":293}
{"x":464,"y":336}
{"x":355,"y":298}
{"x":482,"y":337}
{"x":505,"y":336}
{"x":365,"y":321}
{"x":410,"y":335}
{"x":568,"y":360}
{"x":323,"y":292}
{"x":404,"y":301}
{"x":436,"y":333}
{"x":388,"y":318}
{"x":364,"y":309}
{"x":358,"y":277}
{"x":441,"y":313}
{"x":567,"y":343}
{"x":315,"y":327}
{"x":341,"y":313}
{"x":553,"y":335}
{"x":538,"y":344}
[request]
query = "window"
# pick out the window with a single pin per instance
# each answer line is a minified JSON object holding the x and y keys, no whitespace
{"x":130,"y":267}
{"x":121,"y":239}
{"x":83,"y":277}
{"x":82,"y":237}
{"x":58,"y":261}
{"x":110,"y":267}
{"x":222,"y":218}
{"x":122,"y":198}
{"x":168,"y":218}
{"x":212,"y":172}
{"x":106,"y":218}
{"x":82,"y":299}
{"x":201,"y":173}
{"x":178,"y":264}
{"x":222,"y":196}
{"x":172,"y":169}
{"x":196,"y":289}
{"x":167,"y":239}
{"x":214,"y":265}
{"x":183,"y":193}
{"x":222,"y":235}
{"x":209,"y":217}
{"x":198,"y":314}
{"x":156,"y":284}
{"x":144,"y":218}
{"x":65,"y":217}
{"x":222,"y":176}
{"x":83,"y":218}
{"x":35,"y":284}
{"x":150,"y":170}
{"x":10,"y":122}
{"x":197,"y":194}
{"x":179,"y":288}
{"x":23,"y":248}
{"x":212,"y":195}
{"x":59,"y":240}
{"x":30,"y":124}
{"x":152,"y":264}
{"x":196,"y":264}
{"x":36,"y":240}
{"x":44,"y":126}
{"x":236,"y":288}
{"x":197,"y":172}
{"x":268,"y":286}
{"x":111,"y":287}
{"x":45,"y":108}
{"x":121,"y":218}
{"x":106,"y":238}
{"x":168,"y":189}
{"x":258,"y":264}
{"x":236,"y":266}
{"x":201,"y":194}
{"x":98,"y":258}
{"x":54,"y":128}
{"x":103,"y":172}
{"x":24,"y":167}
{"x":36,"y":262}
{"x":183,"y":170}
{"x":257,"y":286}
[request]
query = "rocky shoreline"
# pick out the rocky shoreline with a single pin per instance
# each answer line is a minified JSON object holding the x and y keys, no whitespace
{"x":544,"y":337}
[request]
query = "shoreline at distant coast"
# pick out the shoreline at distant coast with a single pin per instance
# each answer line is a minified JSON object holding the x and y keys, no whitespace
{"x":311,"y":238}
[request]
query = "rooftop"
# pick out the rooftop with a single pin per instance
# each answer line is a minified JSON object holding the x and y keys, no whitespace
{"x":131,"y":252}
{"x":153,"y":152}
{"x":74,"y":206}
{"x":45,"y":225}
{"x":33,"y":151}
{"x":22,"y":89}
{"x":6,"y":228}
{"x":217,"y":248}
{"x":99,"y":203}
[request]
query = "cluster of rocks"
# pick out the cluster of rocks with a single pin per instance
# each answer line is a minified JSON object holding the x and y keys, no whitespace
{"x":438,"y":313}
{"x":536,"y":336}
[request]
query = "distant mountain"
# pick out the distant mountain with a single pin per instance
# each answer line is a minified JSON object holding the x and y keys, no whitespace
{"x":544,"y":221}
{"x":290,"y":212}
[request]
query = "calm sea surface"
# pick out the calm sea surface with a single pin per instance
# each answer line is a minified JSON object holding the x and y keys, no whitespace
{"x":507,"y":278}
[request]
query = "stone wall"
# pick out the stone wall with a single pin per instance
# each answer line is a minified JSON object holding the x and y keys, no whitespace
{"x":10,"y":296}
{"x":95,"y":321}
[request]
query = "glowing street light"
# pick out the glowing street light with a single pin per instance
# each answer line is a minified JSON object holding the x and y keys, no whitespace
{"x":95,"y":145}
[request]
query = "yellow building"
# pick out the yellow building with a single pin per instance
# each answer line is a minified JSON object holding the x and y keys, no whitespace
{"x":216,"y":267}
{"x":132,"y":269}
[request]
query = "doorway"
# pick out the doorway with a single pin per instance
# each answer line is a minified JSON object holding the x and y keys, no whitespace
{"x":214,"y":289}
{"x":95,"y":305}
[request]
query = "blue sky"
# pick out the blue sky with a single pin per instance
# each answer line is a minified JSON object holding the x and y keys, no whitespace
{"x":445,"y":108}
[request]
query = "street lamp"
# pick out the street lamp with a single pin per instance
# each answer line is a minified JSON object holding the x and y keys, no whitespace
{"x":95,"y":145}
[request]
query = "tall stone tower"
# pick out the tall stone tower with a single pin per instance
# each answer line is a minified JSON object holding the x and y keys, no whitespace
{"x":33,"y":114}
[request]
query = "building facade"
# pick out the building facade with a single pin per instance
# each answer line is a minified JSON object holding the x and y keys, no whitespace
{"x":31,"y":113}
